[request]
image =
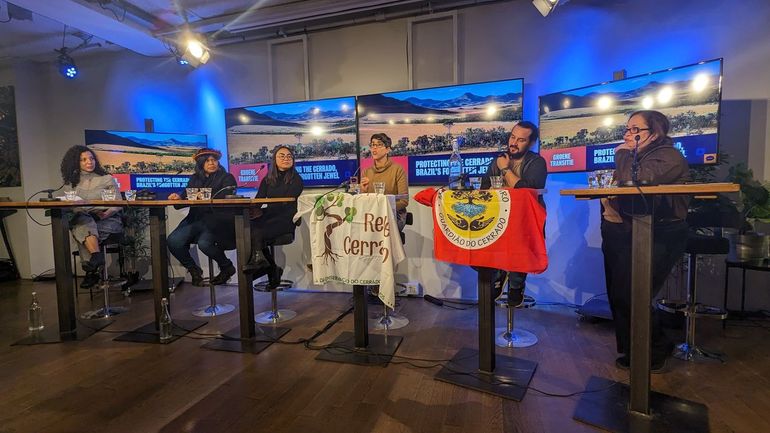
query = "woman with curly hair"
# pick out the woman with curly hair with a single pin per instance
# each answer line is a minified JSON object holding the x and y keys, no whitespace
{"x":213,"y":229}
{"x":82,"y":173}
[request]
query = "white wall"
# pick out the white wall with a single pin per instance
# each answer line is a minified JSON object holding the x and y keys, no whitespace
{"x":580,"y":44}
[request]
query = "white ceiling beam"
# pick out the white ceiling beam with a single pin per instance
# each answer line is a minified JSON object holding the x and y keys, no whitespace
{"x":76,"y":15}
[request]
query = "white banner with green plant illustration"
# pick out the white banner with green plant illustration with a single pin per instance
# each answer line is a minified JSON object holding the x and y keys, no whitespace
{"x":354,"y":239}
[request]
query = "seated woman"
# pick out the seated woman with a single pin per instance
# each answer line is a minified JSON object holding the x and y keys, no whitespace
{"x":276,"y":219}
{"x":211,"y":228}
{"x":82,"y":173}
{"x":385,"y":171}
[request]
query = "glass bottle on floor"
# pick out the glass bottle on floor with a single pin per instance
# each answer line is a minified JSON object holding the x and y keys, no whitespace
{"x":35,"y":317}
{"x":165,"y":322}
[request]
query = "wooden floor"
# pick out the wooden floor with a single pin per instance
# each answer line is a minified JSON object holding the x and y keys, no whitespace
{"x":100,"y":385}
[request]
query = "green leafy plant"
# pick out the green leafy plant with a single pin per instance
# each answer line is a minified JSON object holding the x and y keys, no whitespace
{"x":754,"y":197}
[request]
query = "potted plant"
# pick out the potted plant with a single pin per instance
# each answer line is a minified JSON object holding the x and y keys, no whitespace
{"x":753,"y":202}
{"x":135,"y":243}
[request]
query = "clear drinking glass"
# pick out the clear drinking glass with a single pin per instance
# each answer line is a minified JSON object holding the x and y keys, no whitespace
{"x":475,"y":182}
{"x":131,"y":194}
{"x":192,"y":193}
{"x":354,"y":187}
{"x":592,"y":181}
{"x":70,"y":195}
{"x":204,"y":193}
{"x":496,"y":181}
{"x":379,"y":187}
{"x":108,"y":194}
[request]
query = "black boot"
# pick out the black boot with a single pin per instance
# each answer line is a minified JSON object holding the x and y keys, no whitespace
{"x":256,"y":262}
{"x":224,"y":275}
{"x":515,"y":296}
{"x":89,"y":280}
{"x":196,"y":276}
{"x":274,"y":277}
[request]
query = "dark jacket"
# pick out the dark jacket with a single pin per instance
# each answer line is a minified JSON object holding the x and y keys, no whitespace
{"x":659,"y":164}
{"x":533,"y":173}
{"x":218,"y":220}
{"x":277,"y":217}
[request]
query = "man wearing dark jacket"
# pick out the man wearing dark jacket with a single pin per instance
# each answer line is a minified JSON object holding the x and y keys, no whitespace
{"x":520,"y":168}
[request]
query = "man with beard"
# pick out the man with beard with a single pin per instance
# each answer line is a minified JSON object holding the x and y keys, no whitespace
{"x":520,"y":168}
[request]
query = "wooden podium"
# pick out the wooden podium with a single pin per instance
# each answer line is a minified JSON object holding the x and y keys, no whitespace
{"x":633,"y":408}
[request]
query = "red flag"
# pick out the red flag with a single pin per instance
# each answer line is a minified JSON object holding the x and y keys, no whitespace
{"x":499,"y":228}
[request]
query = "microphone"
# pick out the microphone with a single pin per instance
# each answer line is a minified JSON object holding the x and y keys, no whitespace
{"x":227,"y":188}
{"x":341,"y":185}
{"x":53,"y":190}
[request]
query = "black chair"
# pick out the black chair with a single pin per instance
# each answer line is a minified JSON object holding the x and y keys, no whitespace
{"x":276,"y":315}
{"x":697,"y":244}
{"x":111,"y":244}
{"x":214,"y":308}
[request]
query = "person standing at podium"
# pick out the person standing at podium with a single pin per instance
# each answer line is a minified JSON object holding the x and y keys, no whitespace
{"x":646,"y":157}
{"x":520,"y":168}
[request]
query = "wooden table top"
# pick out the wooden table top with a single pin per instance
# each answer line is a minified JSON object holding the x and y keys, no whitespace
{"x":684,"y":188}
{"x":231,"y":202}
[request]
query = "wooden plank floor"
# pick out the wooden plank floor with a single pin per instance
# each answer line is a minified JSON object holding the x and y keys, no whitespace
{"x":100,"y":385}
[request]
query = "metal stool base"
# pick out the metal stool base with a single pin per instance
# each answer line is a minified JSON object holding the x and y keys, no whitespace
{"x":213,"y":310}
{"x":104,"y":313}
{"x":271,"y":318}
{"x":694,"y":353}
{"x":389,"y":322}
{"x":516,"y":338}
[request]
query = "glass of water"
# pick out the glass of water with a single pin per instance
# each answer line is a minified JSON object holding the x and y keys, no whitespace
{"x":592,"y":181}
{"x":192,"y":193}
{"x":204,"y":194}
{"x":496,"y":182}
{"x":108,"y":194}
{"x":379,"y":187}
{"x":475,"y":183}
{"x":131,"y":194}
{"x":354,"y":187}
{"x":70,"y":195}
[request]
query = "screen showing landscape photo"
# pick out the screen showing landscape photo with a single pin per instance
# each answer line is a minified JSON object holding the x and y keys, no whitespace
{"x":321,"y":133}
{"x":580,"y":128}
{"x":422,"y":124}
{"x":160,"y":162}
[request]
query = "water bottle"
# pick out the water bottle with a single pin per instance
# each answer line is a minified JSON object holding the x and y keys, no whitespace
{"x":35,"y":318}
{"x":165,"y":321}
{"x":455,"y":166}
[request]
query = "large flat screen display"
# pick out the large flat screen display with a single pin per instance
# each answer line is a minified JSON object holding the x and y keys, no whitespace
{"x":321,"y":133}
{"x":422,"y":124}
{"x":580,"y":128}
{"x":159,"y":162}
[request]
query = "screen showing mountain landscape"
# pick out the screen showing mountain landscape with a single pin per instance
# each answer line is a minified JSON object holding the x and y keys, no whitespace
{"x":321,"y":133}
{"x":422,"y":124}
{"x":154,"y":161}
{"x":580,"y":128}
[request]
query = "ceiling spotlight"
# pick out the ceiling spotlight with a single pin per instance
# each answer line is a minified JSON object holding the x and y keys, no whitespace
{"x":67,"y":66}
{"x":193,"y":51}
{"x":545,"y":7}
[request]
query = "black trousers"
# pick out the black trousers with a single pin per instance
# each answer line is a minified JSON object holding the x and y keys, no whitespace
{"x":669,"y":243}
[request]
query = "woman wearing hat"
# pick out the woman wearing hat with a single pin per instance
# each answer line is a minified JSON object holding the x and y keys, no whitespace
{"x":209,"y":227}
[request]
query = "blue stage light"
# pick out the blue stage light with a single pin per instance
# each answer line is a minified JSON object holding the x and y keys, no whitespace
{"x":67,"y":67}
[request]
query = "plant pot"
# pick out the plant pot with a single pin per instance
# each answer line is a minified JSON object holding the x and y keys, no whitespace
{"x":747,"y":246}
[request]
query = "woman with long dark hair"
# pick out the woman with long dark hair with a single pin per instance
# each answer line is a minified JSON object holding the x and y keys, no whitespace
{"x":656,"y":162}
{"x":209,"y":227}
{"x":82,"y":173}
{"x":282,"y":180}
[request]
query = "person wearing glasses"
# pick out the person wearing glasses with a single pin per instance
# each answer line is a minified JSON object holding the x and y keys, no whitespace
{"x":390,"y":174}
{"x":520,"y":168}
{"x":211,"y":228}
{"x":646,"y":157}
{"x":275,"y":219}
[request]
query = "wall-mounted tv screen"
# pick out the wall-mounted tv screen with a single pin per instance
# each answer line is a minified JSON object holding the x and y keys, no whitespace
{"x":159,"y":162}
{"x":580,"y":128}
{"x":422,"y":123}
{"x":321,"y":133}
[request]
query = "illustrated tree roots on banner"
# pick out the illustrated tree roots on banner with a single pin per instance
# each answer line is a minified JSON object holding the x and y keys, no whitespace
{"x":354,"y":239}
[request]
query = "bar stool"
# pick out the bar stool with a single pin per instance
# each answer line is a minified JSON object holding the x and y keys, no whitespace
{"x":112,"y":242}
{"x":109,"y":248}
{"x":275,"y":315}
{"x":213,"y":309}
{"x":509,"y":336}
{"x":696,"y":244}
{"x":393,"y":320}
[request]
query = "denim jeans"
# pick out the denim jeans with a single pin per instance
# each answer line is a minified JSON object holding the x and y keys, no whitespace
{"x":195,"y":232}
